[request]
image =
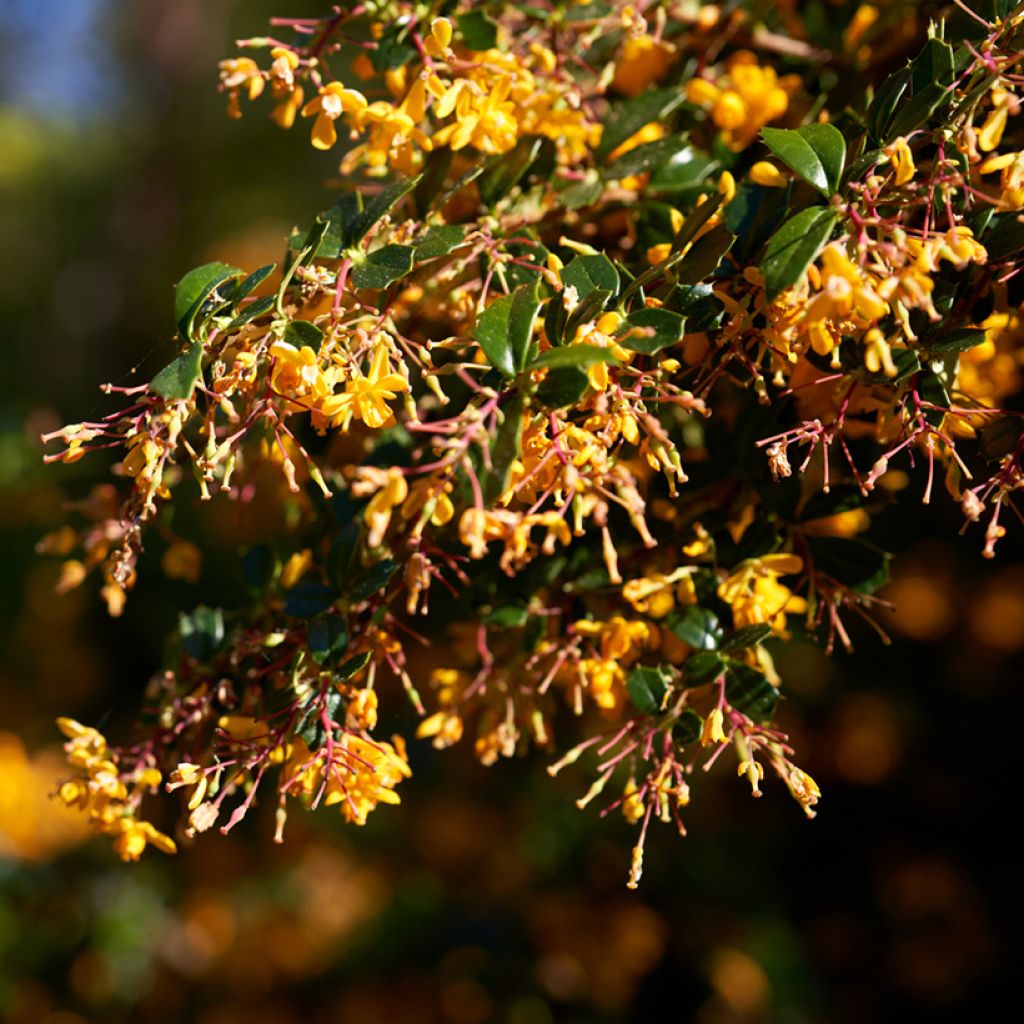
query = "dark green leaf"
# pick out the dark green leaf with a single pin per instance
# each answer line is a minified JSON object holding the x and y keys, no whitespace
{"x":703,"y":667}
{"x":376,"y":207}
{"x":573,"y":355}
{"x":178,"y":379}
{"x":505,"y":447}
{"x":477,"y":30}
{"x":815,"y":152}
{"x":647,"y":688}
{"x":907,"y":363}
{"x":883,"y":106}
{"x":393,"y":49}
{"x":202,"y":632}
{"x":374,"y":580}
{"x":586,"y":310}
{"x":650,"y":330}
{"x":626,"y":119}
{"x":854,"y":563}
{"x":307,"y":598}
{"x":581,"y":193}
{"x":195,"y":288}
{"x":350,"y":666}
{"x":959,"y":340}
{"x":506,"y":171}
{"x":647,"y":157}
{"x":749,"y":691}
{"x":563,"y":386}
{"x":435,"y":172}
{"x":302,"y":332}
{"x":508,"y":616}
{"x":504,"y":329}
{"x":383,"y":266}
{"x":252,"y":282}
{"x":587,"y":273}
{"x":260,"y":307}
{"x":1005,"y":238}
{"x":698,"y":627}
{"x":795,"y":246}
{"x":997,"y":439}
{"x":746,"y":636}
{"x":439,"y":241}
{"x":687,"y":728}
{"x":705,"y":255}
{"x":327,"y":639}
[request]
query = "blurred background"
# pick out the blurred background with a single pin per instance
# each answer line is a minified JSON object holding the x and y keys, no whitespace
{"x":486,"y":896}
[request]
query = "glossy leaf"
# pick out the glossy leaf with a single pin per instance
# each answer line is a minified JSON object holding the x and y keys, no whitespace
{"x":573,"y":355}
{"x":816,"y":152}
{"x":626,"y":119}
{"x":698,"y":627}
{"x":563,"y":386}
{"x":795,"y":246}
{"x":302,"y":332}
{"x":195,"y":288}
{"x":504,"y":329}
{"x":587,"y":273}
{"x":177,"y":380}
{"x":202,"y":632}
{"x":327,"y":639}
{"x":746,"y":636}
{"x":703,"y":667}
{"x":647,"y":687}
{"x":383,"y":266}
{"x":439,"y":241}
{"x":749,"y":691}
{"x":505,"y":448}
{"x":650,"y":330}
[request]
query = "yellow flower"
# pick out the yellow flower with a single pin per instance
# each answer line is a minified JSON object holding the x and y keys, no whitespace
{"x":236,"y":75}
{"x":378,"y":511}
{"x":375,"y":768}
{"x":644,"y":61}
{"x":756,"y":595}
{"x":366,"y":397}
{"x":902,"y":160}
{"x":765,"y":173}
{"x":333,"y":101}
{"x":131,"y":837}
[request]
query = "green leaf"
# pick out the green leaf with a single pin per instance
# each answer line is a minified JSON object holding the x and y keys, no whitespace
{"x":393,"y":50}
{"x":647,"y":688}
{"x":882,"y":107}
{"x":508,"y":616}
{"x":504,"y":330}
{"x":687,"y":728}
{"x":573,"y":355}
{"x":703,"y":667}
{"x":374,"y":580}
{"x":816,"y":152}
{"x":177,"y":380}
{"x":589,"y":308}
{"x":252,"y":282}
{"x":477,"y":30}
{"x":383,"y":266}
{"x":260,"y":307}
{"x":377,"y":206}
{"x":959,"y":340}
{"x":795,"y":246}
{"x":202,"y":632}
{"x":505,"y":447}
{"x":563,"y":386}
{"x":658,"y":328}
{"x":350,"y":666}
{"x":852,"y":562}
{"x":587,"y":273}
{"x":698,"y":627}
{"x":302,"y":332}
{"x":749,"y":691}
{"x":307,"y":598}
{"x":997,"y":439}
{"x":327,"y":639}
{"x":439,"y":241}
{"x":436,"y":166}
{"x":1005,"y":238}
{"x":705,"y":255}
{"x":626,"y":119}
{"x":506,"y":171}
{"x":195,"y":288}
{"x":647,"y":157}
{"x":581,"y":193}
{"x":746,"y":636}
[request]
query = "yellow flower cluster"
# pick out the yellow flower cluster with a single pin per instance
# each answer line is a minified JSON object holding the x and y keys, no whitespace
{"x":99,"y":790}
{"x":743,"y":98}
